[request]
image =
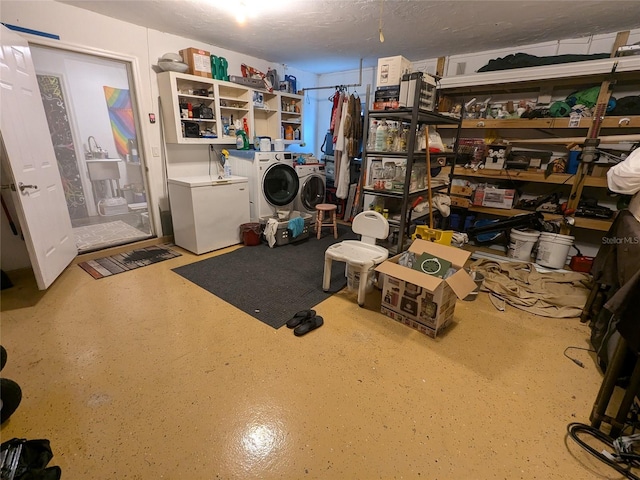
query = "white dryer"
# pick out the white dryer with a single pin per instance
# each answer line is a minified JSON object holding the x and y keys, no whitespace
{"x":313,"y":186}
{"x":273,"y":182}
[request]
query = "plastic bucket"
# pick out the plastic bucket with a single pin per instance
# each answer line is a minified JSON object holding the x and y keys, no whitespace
{"x":250,"y":233}
{"x":353,"y":279}
{"x":521,"y":243}
{"x":553,"y":249}
{"x":478,"y":278}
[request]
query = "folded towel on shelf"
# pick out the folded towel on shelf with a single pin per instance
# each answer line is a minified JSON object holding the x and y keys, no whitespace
{"x":296,"y":225}
{"x":439,"y":201}
{"x":270,"y":230}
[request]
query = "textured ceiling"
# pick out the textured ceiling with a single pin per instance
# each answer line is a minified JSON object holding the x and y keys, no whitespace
{"x":324,"y":36}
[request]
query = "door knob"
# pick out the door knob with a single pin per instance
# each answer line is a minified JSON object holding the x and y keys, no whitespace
{"x":23,"y":187}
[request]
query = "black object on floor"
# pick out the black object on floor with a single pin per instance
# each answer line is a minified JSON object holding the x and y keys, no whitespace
{"x":10,"y":392}
{"x":308,"y":325}
{"x":5,"y":281}
{"x":300,"y":317}
{"x":270,"y":283}
{"x":23,"y":459}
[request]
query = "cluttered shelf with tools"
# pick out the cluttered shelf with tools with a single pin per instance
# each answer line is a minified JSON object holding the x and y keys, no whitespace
{"x":580,"y":222}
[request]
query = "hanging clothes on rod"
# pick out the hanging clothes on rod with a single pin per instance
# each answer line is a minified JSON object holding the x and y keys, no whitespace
{"x":341,"y":154}
{"x":335,"y":115}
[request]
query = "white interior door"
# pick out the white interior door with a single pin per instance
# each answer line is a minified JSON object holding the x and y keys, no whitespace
{"x":38,"y":195}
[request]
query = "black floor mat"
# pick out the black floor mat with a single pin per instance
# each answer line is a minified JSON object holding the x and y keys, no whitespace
{"x":271,"y":284}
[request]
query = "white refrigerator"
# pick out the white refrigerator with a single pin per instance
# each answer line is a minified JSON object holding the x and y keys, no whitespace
{"x":207,"y":211}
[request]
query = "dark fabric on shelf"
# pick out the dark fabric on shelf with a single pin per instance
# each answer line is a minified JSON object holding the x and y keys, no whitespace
{"x":271,"y":284}
{"x":521,"y":60}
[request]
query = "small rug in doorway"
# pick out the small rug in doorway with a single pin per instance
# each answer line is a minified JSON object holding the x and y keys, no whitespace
{"x":123,"y":262}
{"x":100,"y":235}
{"x":271,"y":284}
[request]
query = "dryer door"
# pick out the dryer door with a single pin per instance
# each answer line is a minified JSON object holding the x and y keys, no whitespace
{"x":280,"y":185}
{"x":312,"y":192}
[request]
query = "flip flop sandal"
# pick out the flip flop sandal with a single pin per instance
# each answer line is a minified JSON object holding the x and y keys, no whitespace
{"x":299,"y":317}
{"x":308,"y":325}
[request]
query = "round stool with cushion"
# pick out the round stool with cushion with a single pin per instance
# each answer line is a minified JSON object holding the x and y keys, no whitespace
{"x":331,"y":210}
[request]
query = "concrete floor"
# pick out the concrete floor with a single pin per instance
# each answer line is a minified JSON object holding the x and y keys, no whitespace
{"x":144,"y":375}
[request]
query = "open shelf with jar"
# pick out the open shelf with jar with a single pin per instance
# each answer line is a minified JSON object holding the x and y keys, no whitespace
{"x":266,"y":120}
{"x":234,"y":102}
{"x":186,"y":99}
{"x":291,"y":114}
{"x":209,"y":106}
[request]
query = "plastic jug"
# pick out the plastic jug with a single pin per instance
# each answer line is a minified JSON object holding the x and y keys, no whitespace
{"x":214,"y":66}
{"x":221,"y":69}
{"x":292,"y":83}
{"x":242,"y":142}
{"x":288,"y":132}
{"x":381,"y":136}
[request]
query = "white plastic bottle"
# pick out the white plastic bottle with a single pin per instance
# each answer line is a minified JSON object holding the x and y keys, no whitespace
{"x":371,"y":141}
{"x":381,"y":136}
{"x":227,"y":170}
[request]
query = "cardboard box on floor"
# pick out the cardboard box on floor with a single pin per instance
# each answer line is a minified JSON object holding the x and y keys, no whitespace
{"x":424,"y":302}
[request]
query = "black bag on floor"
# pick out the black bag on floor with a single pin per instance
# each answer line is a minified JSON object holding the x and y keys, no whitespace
{"x":22,"y":459}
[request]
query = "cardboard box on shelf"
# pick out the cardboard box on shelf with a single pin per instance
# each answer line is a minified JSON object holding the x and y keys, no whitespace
{"x":421,"y":301}
{"x":461,"y":190}
{"x":460,"y":202}
{"x":199,"y":61}
{"x":418,"y":80}
{"x":496,"y":156}
{"x":494,"y":197}
{"x":391,"y":69}
{"x":386,"y":105}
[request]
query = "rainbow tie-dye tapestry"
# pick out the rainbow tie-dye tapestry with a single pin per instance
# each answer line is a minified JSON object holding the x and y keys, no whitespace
{"x":121,"y":116}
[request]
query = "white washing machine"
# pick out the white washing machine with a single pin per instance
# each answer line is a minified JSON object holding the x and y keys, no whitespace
{"x":313,"y":187}
{"x":273,"y":182}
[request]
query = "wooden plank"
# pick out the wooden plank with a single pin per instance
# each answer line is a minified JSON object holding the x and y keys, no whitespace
{"x":528,"y":176}
{"x":628,"y":121}
{"x":581,"y":222}
{"x":440,"y":64}
{"x":631,"y":138}
{"x":594,"y":129}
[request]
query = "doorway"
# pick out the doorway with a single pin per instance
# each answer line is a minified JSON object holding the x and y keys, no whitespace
{"x":90,"y":109}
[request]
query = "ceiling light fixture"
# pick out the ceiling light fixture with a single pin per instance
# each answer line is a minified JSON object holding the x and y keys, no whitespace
{"x":380,"y":24}
{"x":245,"y":11}
{"x":242,"y":11}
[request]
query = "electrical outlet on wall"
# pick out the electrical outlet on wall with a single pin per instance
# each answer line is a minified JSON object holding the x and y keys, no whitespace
{"x":155,"y":151}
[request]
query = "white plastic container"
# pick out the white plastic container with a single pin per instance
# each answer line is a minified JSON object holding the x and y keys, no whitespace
{"x":553,"y":249}
{"x":353,"y":279}
{"x":521,"y":243}
{"x":265,"y":144}
{"x":381,"y":136}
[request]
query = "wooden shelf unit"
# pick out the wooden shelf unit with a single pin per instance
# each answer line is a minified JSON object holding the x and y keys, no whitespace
{"x":556,"y":82}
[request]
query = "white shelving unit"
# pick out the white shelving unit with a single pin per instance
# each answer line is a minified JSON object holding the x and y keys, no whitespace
{"x":225,"y":99}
